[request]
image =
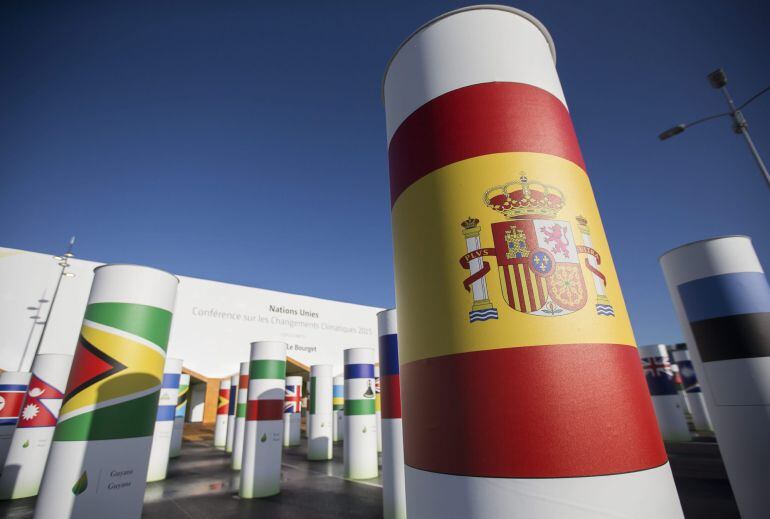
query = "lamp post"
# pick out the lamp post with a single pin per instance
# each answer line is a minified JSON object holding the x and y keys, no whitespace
{"x":718,"y":80}
{"x":64,"y":264}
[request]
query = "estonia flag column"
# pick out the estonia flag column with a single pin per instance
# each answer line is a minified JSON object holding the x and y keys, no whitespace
{"x":502,"y":265}
{"x":722,"y":298}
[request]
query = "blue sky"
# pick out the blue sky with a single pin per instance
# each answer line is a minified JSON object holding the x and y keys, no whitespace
{"x":246,"y":144}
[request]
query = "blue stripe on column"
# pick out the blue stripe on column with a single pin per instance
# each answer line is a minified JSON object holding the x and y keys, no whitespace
{"x":359,"y":371}
{"x":171,"y":380}
{"x":727,"y":294}
{"x":389,"y":354}
{"x":165,"y":413}
{"x":13,"y":387}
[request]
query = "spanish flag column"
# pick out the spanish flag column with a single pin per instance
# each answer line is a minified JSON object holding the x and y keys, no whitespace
{"x":262,"y":443}
{"x":722,"y":298}
{"x":223,"y":404}
{"x":502,"y":266}
{"x":101,"y":449}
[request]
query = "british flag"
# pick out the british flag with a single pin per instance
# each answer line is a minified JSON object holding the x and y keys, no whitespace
{"x":292,"y":401}
{"x":660,"y":377}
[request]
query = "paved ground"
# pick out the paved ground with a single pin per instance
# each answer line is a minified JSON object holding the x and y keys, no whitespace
{"x":200,"y":485}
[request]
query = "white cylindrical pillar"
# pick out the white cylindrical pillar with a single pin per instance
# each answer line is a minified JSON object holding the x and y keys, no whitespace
{"x":360,"y":447}
{"x":179,"y":416}
{"x":700,"y":415}
{"x":240,"y":416}
{"x":261,"y":473}
{"x":231,"y":413}
{"x":164,"y":423}
{"x":223,"y":405}
{"x":480,"y":139}
{"x":663,"y":390}
{"x":292,"y":407}
{"x":31,"y":441}
{"x":378,"y":407}
{"x":338,"y":407}
{"x":13,"y":387}
{"x":319,"y":442}
{"x":102,"y":444}
{"x":722,"y":299}
{"x":393,"y":484}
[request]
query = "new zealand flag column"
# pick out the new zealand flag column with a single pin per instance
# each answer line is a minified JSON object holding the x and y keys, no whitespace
{"x":31,"y":441}
{"x":485,"y":169}
{"x":223,"y":404}
{"x":393,"y":490}
{"x":101,"y":449}
{"x":13,"y":387}
{"x":666,"y":400}
{"x":164,"y":423}
{"x":722,"y":298}
{"x":262,"y":440}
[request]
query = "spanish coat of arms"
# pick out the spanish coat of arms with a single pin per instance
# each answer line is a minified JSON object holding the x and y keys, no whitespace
{"x":538,"y":261}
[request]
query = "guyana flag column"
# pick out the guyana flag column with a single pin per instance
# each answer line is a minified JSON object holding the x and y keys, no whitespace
{"x":101,"y":449}
{"x":485,"y":170}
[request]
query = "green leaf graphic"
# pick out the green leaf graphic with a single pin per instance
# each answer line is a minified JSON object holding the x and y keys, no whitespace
{"x":25,"y":444}
{"x":264,"y":438}
{"x":81,"y":484}
{"x":364,"y":430}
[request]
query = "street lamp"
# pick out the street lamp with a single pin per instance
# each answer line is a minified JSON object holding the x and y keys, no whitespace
{"x":64,"y":264}
{"x":718,"y":80}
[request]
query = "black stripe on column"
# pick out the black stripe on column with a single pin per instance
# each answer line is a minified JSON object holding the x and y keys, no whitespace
{"x":742,"y":336}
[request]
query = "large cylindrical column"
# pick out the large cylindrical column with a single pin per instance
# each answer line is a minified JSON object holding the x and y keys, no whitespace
{"x":179,"y":416}
{"x":261,"y":473}
{"x":722,"y":299}
{"x":223,"y":404}
{"x":377,"y":407}
{"x":360,"y":447}
{"x":240,"y":416}
{"x":231,"y":413}
{"x":665,"y":396}
{"x":338,"y":407}
{"x":164,"y":423}
{"x":13,"y":387}
{"x":31,"y":441}
{"x":485,"y":164}
{"x":102,"y":443}
{"x":393,"y":486}
{"x":700,"y":415}
{"x":319,"y":438}
{"x":292,"y":407}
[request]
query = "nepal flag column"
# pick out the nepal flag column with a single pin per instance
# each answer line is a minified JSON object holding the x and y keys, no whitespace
{"x":722,"y":299}
{"x":31,"y":441}
{"x":101,"y":449}
{"x":261,"y":473}
{"x":481,"y":146}
{"x":393,"y":491}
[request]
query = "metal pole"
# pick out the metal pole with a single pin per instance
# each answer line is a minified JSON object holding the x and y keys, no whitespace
{"x":740,"y":125}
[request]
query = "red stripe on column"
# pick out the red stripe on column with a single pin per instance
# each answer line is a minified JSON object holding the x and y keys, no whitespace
{"x":243,"y":381}
{"x":479,"y":120}
{"x":264,"y":410}
{"x":390,"y":396}
{"x":567,"y":411}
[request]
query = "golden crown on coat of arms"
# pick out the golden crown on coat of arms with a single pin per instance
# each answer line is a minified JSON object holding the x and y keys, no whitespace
{"x":522,"y":197}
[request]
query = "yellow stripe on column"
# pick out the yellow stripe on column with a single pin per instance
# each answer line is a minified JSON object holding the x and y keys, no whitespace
{"x":430,"y":242}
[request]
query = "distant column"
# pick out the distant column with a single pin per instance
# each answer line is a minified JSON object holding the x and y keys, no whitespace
{"x":700,"y":415}
{"x":13,"y":387}
{"x":231,"y":413}
{"x":378,"y":407}
{"x":292,"y":408}
{"x":663,"y":390}
{"x":164,"y":424}
{"x":179,"y":416}
{"x":261,"y":474}
{"x":31,"y":441}
{"x":319,"y":443}
{"x":360,"y":447}
{"x":722,"y":299}
{"x":338,"y":407}
{"x":393,"y":485}
{"x":223,"y":404}
{"x":240,"y":416}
